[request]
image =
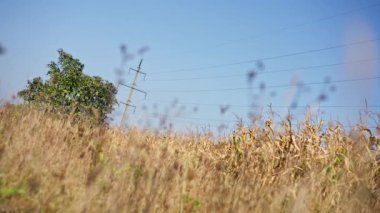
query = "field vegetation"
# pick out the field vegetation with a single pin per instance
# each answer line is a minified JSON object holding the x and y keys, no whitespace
{"x":51,"y":162}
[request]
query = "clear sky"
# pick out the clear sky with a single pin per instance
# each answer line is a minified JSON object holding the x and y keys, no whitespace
{"x":310,"y":41}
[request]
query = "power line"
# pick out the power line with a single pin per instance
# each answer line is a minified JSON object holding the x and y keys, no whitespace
{"x":272,"y":71}
{"x":270,"y":58}
{"x":158,"y":116}
{"x":185,"y":121}
{"x":274,"y":86}
{"x":268,"y":106}
{"x":276,"y":31}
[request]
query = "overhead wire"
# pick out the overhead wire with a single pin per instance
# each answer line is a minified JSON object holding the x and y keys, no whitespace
{"x":266,"y":106}
{"x":281,"y":29}
{"x":273,"y":86}
{"x":158,"y":116}
{"x":268,"y":58}
{"x":272,"y":71}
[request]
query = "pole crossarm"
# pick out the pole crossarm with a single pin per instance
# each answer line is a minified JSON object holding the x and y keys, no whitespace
{"x":134,"y":88}
{"x":142,"y":73}
{"x":130,"y":105}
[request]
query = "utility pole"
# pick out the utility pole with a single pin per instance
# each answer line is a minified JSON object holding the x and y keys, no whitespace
{"x":132,"y":89}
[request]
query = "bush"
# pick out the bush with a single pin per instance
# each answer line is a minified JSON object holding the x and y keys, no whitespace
{"x":69,"y":90}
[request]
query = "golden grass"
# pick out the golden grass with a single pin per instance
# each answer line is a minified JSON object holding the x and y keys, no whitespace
{"x":48,"y":163}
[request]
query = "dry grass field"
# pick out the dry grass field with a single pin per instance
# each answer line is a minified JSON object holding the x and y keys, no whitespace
{"x":49,"y":163}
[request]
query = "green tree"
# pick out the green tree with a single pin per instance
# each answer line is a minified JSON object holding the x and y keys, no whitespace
{"x":69,"y":90}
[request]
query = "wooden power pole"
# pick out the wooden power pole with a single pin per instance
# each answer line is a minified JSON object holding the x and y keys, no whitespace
{"x":132,"y":89}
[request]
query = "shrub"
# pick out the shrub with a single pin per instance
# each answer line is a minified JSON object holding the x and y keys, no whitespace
{"x":69,"y":90}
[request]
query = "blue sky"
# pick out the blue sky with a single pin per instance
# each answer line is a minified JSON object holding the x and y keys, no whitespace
{"x":192,"y":34}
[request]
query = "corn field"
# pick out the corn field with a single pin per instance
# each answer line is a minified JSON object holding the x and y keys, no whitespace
{"x":53,"y":163}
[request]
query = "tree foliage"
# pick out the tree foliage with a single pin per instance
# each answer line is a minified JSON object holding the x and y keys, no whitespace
{"x":70,"y":90}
